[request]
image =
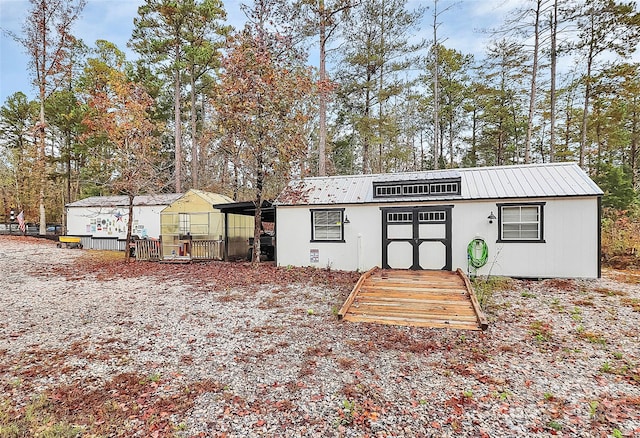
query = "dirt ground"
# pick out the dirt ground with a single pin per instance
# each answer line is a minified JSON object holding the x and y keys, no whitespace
{"x":93,"y":347}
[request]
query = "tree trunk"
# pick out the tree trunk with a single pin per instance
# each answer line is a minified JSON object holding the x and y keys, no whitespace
{"x":178,"y":133}
{"x":474,"y":141}
{"x":380,"y":89}
{"x":236,"y":177}
{"x":257,"y":229}
{"x":42,"y":166}
{"x":552,"y":92}
{"x":568,"y":120}
{"x":499,"y":157}
{"x":127,"y":251}
{"x":322,"y":134}
{"x":436,"y":103}
{"x":587,"y":95}
{"x":634,"y":146}
{"x":532,"y":96}
{"x":67,"y":195}
{"x":365,"y":145}
{"x":194,"y":136}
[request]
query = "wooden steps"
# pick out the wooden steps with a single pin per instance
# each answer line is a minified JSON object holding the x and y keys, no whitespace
{"x":441,"y":299}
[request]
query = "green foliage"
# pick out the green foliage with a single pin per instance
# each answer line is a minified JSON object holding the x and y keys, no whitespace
{"x":621,"y":238}
{"x":555,"y":425}
{"x":541,"y":331}
{"x":484,"y":287}
{"x":35,"y":421}
{"x":593,"y":408}
{"x":381,"y":101}
{"x":18,"y":117}
{"x":617,"y":187}
{"x":373,"y":91}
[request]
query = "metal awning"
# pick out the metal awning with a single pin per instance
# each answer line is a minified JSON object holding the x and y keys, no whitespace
{"x":248,"y":208}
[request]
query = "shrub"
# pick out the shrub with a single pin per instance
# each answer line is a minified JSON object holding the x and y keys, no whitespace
{"x":621,"y":238}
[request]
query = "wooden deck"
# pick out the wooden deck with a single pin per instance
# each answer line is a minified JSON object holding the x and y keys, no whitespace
{"x":415,"y":298}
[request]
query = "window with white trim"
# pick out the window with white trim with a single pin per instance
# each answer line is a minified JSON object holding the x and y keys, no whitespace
{"x":388,"y":190}
{"x":432,"y":216}
{"x":185,"y":223}
{"x":521,"y":222}
{"x":444,"y":188}
{"x":398,"y":218}
{"x":448,"y":187}
{"x":327,"y":225}
{"x":415,"y":189}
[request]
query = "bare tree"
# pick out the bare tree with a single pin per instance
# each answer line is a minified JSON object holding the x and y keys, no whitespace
{"x":47,"y":38}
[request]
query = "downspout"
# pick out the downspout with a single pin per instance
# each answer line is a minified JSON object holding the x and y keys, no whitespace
{"x":359,"y":253}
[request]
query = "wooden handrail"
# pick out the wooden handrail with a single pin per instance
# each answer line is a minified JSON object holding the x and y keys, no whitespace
{"x":482,"y":320}
{"x":354,"y":292}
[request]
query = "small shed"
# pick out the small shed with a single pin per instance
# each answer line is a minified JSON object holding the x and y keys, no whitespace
{"x":192,"y":228}
{"x":528,"y":221}
{"x":101,"y":221}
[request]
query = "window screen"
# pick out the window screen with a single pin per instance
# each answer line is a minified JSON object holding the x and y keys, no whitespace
{"x":521,"y":222}
{"x":327,"y":225}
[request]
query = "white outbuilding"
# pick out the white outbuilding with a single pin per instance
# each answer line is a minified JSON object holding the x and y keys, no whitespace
{"x":102,"y":220}
{"x":527,"y":221}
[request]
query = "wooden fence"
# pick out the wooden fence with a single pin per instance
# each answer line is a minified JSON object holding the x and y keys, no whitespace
{"x":207,"y":250}
{"x":148,"y":250}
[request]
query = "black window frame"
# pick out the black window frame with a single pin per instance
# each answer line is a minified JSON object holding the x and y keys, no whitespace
{"x":417,"y":188}
{"x":313,"y":211}
{"x":540,"y":206}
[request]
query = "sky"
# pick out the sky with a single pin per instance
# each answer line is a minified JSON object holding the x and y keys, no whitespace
{"x":112,"y":20}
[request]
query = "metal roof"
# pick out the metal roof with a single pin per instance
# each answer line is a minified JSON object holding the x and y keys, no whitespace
{"x":248,"y":208}
{"x":501,"y":182}
{"x":123,"y":200}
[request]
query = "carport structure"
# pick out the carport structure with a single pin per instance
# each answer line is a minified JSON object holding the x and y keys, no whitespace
{"x":245,"y":208}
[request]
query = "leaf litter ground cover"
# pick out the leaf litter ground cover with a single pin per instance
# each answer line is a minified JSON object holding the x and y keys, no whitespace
{"x":90,"y":346}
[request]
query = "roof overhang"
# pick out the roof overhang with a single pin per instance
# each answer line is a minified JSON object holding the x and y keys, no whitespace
{"x":248,"y":208}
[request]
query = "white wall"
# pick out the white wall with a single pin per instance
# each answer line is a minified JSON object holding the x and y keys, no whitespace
{"x":360,"y":251}
{"x":104,"y":222}
{"x":570,"y":247}
{"x":570,"y":233}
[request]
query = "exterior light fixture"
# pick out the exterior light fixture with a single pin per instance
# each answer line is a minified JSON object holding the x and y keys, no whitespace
{"x":491,"y":217}
{"x":346,"y":220}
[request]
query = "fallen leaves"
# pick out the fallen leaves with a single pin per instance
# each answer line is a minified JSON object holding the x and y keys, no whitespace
{"x":128,"y":402}
{"x":204,"y":276}
{"x":135,"y":357}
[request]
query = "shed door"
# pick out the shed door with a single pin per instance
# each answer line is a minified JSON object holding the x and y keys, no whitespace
{"x":416,"y":238}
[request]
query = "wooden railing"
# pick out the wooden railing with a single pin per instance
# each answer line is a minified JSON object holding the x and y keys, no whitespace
{"x":148,"y":250}
{"x":207,"y":250}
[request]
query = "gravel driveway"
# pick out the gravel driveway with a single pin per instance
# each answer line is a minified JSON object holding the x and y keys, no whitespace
{"x":98,"y":348}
